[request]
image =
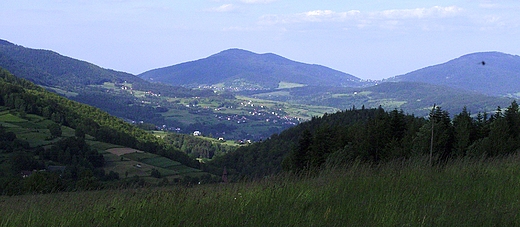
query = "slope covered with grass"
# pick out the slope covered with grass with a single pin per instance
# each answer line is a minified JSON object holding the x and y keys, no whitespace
{"x":464,"y":192}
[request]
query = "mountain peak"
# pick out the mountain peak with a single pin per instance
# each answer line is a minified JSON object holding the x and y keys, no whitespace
{"x":250,"y":70}
{"x":240,"y":54}
{"x":234,"y":51}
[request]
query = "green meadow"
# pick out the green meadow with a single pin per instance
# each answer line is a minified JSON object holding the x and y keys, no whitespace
{"x":464,"y":192}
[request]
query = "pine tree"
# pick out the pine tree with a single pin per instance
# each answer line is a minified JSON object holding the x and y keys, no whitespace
{"x":464,"y":132}
{"x":299,"y":155}
{"x":512,"y":118}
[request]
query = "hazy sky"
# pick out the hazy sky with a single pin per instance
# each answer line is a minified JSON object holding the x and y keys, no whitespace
{"x":370,"y":39}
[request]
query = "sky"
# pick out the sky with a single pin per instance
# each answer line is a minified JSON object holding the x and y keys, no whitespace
{"x":370,"y":39}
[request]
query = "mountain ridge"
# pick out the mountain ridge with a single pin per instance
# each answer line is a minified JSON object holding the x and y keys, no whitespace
{"x":180,"y":107}
{"x":492,"y":73}
{"x":263,"y":71}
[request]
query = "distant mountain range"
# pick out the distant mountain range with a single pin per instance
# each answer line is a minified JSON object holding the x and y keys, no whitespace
{"x":248,"y":70}
{"x":490,"y":73}
{"x":474,"y":80}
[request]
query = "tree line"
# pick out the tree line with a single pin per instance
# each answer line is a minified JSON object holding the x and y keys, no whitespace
{"x":198,"y":147}
{"x":375,"y":136}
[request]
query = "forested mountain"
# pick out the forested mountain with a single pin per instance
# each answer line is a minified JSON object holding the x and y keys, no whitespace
{"x":375,"y":136}
{"x":50,"y":69}
{"x":29,"y":110}
{"x":245,"y":70}
{"x":25,"y":96}
{"x":491,"y":73}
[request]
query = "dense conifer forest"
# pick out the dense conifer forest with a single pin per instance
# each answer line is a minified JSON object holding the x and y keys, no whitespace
{"x":378,"y":136}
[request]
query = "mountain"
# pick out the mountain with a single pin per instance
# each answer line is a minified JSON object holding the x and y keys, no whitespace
{"x":129,"y":97}
{"x":236,"y":67}
{"x":491,"y":73}
{"x":49,"y":68}
{"x":52,"y":70}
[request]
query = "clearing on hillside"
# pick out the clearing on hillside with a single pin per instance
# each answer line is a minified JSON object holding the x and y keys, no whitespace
{"x":123,"y":150}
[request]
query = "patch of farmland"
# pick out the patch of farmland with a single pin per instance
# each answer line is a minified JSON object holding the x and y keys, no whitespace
{"x":123,"y":151}
{"x":5,"y":116}
{"x":181,"y":169}
{"x":139,"y":156}
{"x":100,"y":145}
{"x":161,"y":162}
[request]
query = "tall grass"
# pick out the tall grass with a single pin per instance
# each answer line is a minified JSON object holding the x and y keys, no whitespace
{"x":464,"y":192}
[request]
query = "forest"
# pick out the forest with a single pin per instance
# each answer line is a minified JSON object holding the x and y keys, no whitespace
{"x":83,"y":163}
{"x":198,"y":147}
{"x":377,"y":136}
{"x":368,"y":135}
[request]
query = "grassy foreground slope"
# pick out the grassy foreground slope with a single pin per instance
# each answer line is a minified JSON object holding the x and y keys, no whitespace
{"x":464,"y":192}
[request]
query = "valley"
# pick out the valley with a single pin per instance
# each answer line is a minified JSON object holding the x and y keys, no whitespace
{"x":240,"y":95}
{"x":132,"y":151}
{"x":236,"y":98}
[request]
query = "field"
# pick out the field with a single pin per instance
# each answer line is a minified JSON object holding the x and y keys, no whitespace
{"x":405,"y":193}
{"x":126,"y":162}
{"x":283,"y":85}
{"x":123,"y":150}
{"x":129,"y":162}
{"x":31,"y":128}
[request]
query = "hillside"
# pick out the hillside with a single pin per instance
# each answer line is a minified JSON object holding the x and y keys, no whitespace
{"x":52,"y":70}
{"x":39,"y":129}
{"x":411,"y":97}
{"x":491,"y":73}
{"x":128,"y":97}
{"x":472,"y":192}
{"x":245,"y":70}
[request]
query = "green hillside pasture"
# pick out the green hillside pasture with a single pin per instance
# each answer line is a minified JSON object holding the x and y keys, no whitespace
{"x":160,"y":134}
{"x":387,"y":104}
{"x":140,"y":156}
{"x":61,"y":91}
{"x":132,"y":167}
{"x":302,"y":111}
{"x":182,"y":169}
{"x":283,"y":85}
{"x":5,"y":116}
{"x":166,"y":167}
{"x":187,"y":117}
{"x":409,"y":193}
{"x":31,"y":128}
{"x":100,"y":146}
{"x":161,"y":162}
{"x":272,"y":94}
